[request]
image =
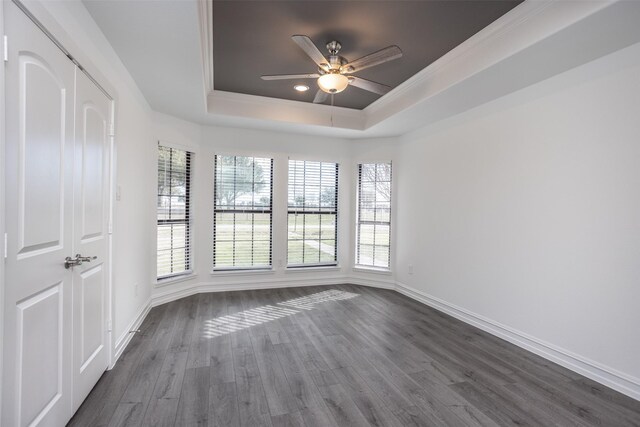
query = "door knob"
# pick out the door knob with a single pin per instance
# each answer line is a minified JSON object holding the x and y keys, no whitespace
{"x":85,"y":258}
{"x":78,"y":260}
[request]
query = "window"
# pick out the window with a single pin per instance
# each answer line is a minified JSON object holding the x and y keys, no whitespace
{"x":312,"y":214}
{"x":174,"y":212}
{"x":242,"y":212}
{"x":374,"y":215}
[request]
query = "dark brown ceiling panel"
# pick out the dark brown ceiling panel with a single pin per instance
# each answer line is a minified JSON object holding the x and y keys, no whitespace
{"x":252,"y":38}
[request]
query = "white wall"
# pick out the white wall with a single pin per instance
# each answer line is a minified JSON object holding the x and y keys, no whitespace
{"x":524,"y":215}
{"x":205,"y":142}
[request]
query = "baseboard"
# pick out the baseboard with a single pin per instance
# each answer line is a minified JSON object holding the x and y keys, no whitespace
{"x":372,"y":283}
{"x":169,"y":295}
{"x":603,"y":374}
{"x":126,"y":336}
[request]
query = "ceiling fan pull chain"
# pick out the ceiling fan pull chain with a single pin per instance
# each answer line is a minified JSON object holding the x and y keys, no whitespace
{"x":331,"y":110}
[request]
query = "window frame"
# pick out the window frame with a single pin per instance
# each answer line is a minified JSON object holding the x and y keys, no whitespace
{"x":188,"y":221}
{"x":246,"y":269}
{"x":359,"y":221}
{"x":320,"y":213}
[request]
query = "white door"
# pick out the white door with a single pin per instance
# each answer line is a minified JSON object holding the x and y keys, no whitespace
{"x":57,"y":206}
{"x":91,"y":207}
{"x":39,"y":165}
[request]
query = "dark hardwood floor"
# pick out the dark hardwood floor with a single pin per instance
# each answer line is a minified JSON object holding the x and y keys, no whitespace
{"x":335,"y":356}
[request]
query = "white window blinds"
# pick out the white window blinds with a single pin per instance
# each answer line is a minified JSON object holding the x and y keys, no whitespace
{"x":242,"y":216}
{"x":312,"y":213}
{"x":174,"y":212}
{"x":374,"y":215}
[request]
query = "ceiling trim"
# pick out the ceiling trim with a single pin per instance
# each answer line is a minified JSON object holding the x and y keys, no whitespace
{"x":262,"y":107}
{"x":205,"y":21}
{"x":522,"y":27}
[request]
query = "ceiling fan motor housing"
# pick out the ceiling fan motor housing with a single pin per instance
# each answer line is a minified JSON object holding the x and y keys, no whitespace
{"x":334,"y":47}
{"x":336,"y":62}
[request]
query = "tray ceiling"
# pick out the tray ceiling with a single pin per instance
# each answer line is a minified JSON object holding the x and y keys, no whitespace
{"x":251,"y":38}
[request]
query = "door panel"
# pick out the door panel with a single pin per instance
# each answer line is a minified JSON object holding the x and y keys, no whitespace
{"x":91,"y":289}
{"x":94,"y":126}
{"x":39,"y":171}
{"x":42,"y":141}
{"x":91,"y":190}
{"x":40,"y":322}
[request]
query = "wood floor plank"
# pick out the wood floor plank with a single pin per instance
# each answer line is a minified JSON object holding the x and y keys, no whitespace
{"x":288,"y":420}
{"x":193,"y":408}
{"x":200,"y":348}
{"x":220,"y":341}
{"x":335,"y":356}
{"x":252,"y":402}
{"x":169,"y":381}
{"x":184,"y":323}
{"x":161,"y":413}
{"x":303,"y":387}
{"x":236,"y":320}
{"x":223,"y":405}
{"x":143,"y":380}
{"x":370,"y":405}
{"x":274,"y":381}
{"x":318,"y":416}
{"x":414,"y":416}
{"x":344,"y":410}
{"x":494,"y":406}
{"x":127,"y":415}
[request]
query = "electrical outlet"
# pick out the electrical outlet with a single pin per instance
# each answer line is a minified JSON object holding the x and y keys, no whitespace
{"x":410,"y":268}
{"x":135,"y":289}
{"x":118,"y":193}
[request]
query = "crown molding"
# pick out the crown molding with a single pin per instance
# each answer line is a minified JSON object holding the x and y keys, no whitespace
{"x":205,"y":21}
{"x":284,"y":110}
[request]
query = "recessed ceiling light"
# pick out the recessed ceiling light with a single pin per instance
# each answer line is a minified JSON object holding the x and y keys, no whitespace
{"x":301,"y":88}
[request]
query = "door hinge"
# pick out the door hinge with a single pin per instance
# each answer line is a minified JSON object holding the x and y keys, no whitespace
{"x":110,"y":228}
{"x":112,"y":129}
{"x":109,"y":325}
{"x":5,"y":47}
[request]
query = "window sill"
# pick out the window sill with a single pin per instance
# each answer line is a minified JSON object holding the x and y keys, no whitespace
{"x":314,"y":268}
{"x":242,"y":272}
{"x":175,"y":279}
{"x":375,"y":270}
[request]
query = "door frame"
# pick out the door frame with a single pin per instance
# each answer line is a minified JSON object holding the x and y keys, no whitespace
{"x":2,"y":199}
{"x":36,"y":11}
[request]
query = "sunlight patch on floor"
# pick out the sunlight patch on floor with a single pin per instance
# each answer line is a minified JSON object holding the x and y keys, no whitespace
{"x":267,"y":313}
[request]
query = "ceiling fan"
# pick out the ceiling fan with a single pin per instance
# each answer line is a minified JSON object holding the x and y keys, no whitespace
{"x":335,"y":72}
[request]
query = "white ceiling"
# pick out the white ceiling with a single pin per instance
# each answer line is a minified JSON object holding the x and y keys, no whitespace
{"x":160,"y":44}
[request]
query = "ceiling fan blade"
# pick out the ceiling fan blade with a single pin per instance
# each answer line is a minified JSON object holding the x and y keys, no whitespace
{"x":320,"y":97}
{"x":384,"y":55}
{"x":365,"y":84}
{"x":290,"y":76}
{"x":310,"y":49}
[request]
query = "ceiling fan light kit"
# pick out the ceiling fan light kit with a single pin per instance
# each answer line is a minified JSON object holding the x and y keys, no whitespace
{"x":333,"y":82}
{"x":332,"y":73}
